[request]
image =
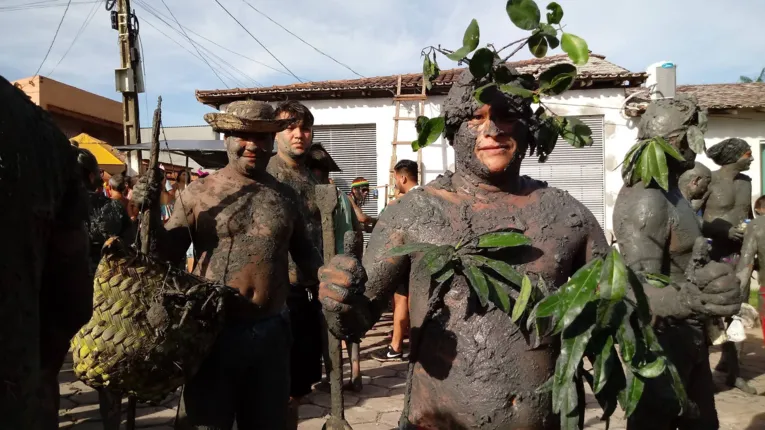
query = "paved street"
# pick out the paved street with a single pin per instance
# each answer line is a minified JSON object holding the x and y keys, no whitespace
{"x":379,"y":404}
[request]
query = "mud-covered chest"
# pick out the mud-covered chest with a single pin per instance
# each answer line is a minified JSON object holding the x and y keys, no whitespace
{"x":259,"y":214}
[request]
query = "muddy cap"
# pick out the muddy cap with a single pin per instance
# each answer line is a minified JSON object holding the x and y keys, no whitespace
{"x":318,"y":157}
{"x":728,"y":151}
{"x":247,"y":116}
{"x":671,"y":117}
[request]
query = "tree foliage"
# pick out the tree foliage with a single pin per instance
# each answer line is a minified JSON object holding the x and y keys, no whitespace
{"x":488,"y":62}
{"x":601,"y":307}
{"x":758,"y":79}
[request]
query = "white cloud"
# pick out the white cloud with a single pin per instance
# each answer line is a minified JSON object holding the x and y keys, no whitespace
{"x":709,"y":42}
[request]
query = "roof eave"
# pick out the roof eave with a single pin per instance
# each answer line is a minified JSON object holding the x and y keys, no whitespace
{"x":216,"y":98}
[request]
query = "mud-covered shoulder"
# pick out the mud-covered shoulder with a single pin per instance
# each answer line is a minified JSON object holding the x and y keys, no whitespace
{"x":641,"y":208}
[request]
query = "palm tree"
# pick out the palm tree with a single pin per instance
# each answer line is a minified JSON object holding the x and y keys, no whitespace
{"x":748,"y":80}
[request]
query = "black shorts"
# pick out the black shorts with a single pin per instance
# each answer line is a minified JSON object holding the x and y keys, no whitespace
{"x":305,"y":357}
{"x":403,"y":289}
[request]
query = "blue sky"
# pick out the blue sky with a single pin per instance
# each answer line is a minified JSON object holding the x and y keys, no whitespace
{"x":710,"y":41}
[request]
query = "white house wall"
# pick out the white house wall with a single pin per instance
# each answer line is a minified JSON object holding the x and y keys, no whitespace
{"x":619,"y":133}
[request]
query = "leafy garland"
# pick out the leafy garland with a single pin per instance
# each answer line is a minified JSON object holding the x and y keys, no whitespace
{"x":593,"y":312}
{"x":487,"y":62}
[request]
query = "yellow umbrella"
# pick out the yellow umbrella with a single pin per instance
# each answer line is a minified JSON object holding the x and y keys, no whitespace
{"x":102,"y":151}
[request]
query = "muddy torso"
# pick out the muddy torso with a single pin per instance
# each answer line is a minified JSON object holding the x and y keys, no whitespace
{"x":242,"y":235}
{"x":475,"y":369}
{"x":726,"y":205}
{"x":304,"y":186}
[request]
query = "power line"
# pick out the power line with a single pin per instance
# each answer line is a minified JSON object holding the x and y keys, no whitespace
{"x":158,"y":14}
{"x":41,"y":5}
{"x":256,"y":39}
{"x":54,"y":38}
{"x":192,"y":43}
{"x":301,"y":39}
{"x":85,"y":23}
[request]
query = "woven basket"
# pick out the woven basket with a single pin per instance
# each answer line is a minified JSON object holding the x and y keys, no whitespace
{"x":151,"y":328}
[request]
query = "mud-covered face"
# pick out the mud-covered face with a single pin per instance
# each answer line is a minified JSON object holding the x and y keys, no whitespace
{"x":490,"y":141}
{"x":249,"y":153}
{"x":699,"y":186}
{"x":685,"y":150}
{"x":295,"y":140}
{"x":745,"y":161}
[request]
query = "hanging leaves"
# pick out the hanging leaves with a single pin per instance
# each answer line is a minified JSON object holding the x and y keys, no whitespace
{"x":502,"y":239}
{"x":469,"y":42}
{"x":696,"y":140}
{"x":576,"y":48}
{"x":538,"y":45}
{"x":430,"y":132}
{"x":430,"y":70}
{"x":574,"y":131}
{"x":555,"y":14}
{"x":481,"y":63}
{"x":524,"y":13}
{"x":647,"y":162}
{"x":613,"y":279}
{"x":523,"y":299}
{"x":557,"y":79}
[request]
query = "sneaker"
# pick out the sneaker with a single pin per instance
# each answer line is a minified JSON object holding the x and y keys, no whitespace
{"x":388,"y":354}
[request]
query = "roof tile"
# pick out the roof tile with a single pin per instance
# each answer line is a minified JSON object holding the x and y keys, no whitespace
{"x":719,"y":96}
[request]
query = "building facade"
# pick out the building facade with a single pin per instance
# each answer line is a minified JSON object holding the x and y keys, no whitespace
{"x":354,"y":121}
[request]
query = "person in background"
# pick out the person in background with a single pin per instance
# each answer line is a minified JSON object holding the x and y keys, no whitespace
{"x":358,"y":196}
{"x":753,"y":250}
{"x":406,"y":174}
{"x":320,"y":163}
{"x":694,"y":186}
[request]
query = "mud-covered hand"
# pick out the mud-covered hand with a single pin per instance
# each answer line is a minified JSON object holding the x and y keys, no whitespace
{"x":736,"y":233}
{"x":714,"y":291}
{"x":341,"y":292}
{"x":143,"y":194}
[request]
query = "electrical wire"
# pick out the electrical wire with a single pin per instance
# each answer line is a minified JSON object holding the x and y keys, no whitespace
{"x":85,"y":23}
{"x":192,"y":43}
{"x":42,"y":5}
{"x":159,"y":15}
{"x":54,"y":38}
{"x":301,"y":39}
{"x":259,"y":42}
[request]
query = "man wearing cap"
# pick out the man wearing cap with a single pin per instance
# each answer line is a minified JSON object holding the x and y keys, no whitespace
{"x":243,"y":223}
{"x":359,"y":195}
{"x":289,"y":167}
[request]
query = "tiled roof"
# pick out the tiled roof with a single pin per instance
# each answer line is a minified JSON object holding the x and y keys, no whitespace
{"x":597,"y":69}
{"x":718,"y":96}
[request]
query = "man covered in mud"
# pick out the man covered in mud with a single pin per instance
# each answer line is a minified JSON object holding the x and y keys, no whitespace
{"x":752,"y":252}
{"x":47,"y":291}
{"x":657,"y":232}
{"x":289,"y":167}
{"x":728,"y":206}
{"x":243,"y":223}
{"x":473,"y":367}
{"x":694,"y":186}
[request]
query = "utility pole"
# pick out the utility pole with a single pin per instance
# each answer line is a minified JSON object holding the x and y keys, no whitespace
{"x":129,"y":77}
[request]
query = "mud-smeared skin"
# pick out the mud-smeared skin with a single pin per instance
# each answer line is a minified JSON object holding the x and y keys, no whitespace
{"x":303,"y":184}
{"x":243,"y":228}
{"x":656,"y":231}
{"x":694,"y":185}
{"x":46,"y":291}
{"x":473,"y":368}
{"x":730,"y":198}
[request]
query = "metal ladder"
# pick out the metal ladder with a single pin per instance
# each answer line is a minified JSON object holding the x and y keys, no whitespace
{"x":398,"y":98}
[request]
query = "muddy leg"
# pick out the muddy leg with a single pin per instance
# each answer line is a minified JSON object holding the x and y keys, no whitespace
{"x":731,"y":351}
{"x":110,"y":406}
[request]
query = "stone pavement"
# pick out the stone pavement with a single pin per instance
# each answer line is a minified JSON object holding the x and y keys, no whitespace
{"x":378,"y":405}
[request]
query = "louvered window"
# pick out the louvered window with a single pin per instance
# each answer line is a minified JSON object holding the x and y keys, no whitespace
{"x":354,"y":149}
{"x":578,"y":171}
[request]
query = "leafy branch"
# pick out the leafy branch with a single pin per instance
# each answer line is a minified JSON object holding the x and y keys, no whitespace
{"x":603,"y":305}
{"x":486,"y":64}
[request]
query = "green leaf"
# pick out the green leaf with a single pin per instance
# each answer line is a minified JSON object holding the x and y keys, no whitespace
{"x":523,"y":299}
{"x":546,"y":387}
{"x":523,"y":13}
{"x":538,"y":45}
{"x":571,"y":353}
{"x":575,"y":132}
{"x":557,"y":79}
{"x":503,"y":269}
{"x":430,"y":132}
{"x":552,"y":41}
{"x":398,"y":251}
{"x":570,"y":420}
{"x":420,"y":122}
{"x":479,"y":284}
{"x":555,"y":14}
{"x":582,"y":291}
{"x":516,"y":90}
{"x":576,"y":48}
{"x":502,"y":75}
{"x":678,"y":387}
{"x":469,"y":42}
{"x":481,"y":63}
{"x":605,"y":361}
{"x":625,"y":335}
{"x":502,"y":239}
{"x":436,"y":259}
{"x":657,"y":280}
{"x":703,"y":120}
{"x":480,"y":94}
{"x":668,"y":149}
{"x":653,"y":166}
{"x":696,"y":140}
{"x":430,"y":70}
{"x":653,"y":369}
{"x":630,"y":396}
{"x":551,"y":306}
{"x":613,"y":277}
{"x":498,"y":292}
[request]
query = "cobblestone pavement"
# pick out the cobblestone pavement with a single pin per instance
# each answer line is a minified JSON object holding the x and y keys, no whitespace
{"x":378,"y":405}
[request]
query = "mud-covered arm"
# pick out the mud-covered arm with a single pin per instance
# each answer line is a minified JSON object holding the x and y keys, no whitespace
{"x":367,"y":222}
{"x":596,"y":244}
{"x":643,"y":230}
{"x":746,"y":262}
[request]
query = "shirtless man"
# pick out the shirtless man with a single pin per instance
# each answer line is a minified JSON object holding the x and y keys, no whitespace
{"x":472,"y":368}
{"x":243,"y":223}
{"x":289,"y":167}
{"x":657,"y":231}
{"x":694,"y":186}
{"x":728,"y":205}
{"x":753,"y":250}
